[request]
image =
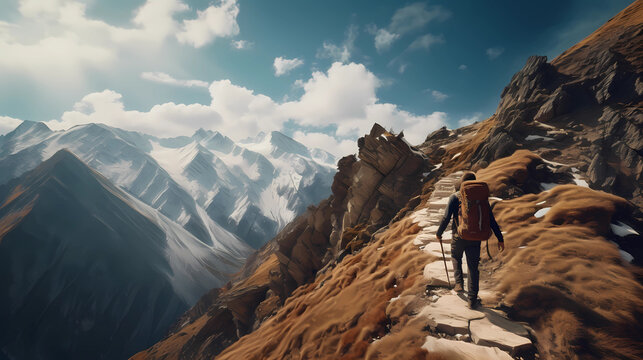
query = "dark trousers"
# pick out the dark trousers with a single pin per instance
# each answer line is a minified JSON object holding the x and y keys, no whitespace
{"x":472,"y":250}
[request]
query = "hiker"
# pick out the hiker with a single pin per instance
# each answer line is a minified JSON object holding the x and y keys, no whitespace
{"x":467,"y":239}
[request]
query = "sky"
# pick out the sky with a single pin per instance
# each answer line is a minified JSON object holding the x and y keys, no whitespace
{"x":320,"y":71}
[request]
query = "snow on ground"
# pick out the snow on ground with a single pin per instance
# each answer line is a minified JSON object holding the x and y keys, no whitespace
{"x":622,"y":230}
{"x":538,"y":137}
{"x":579,"y":181}
{"x":456,"y":155}
{"x":627,"y":257}
{"x":548,"y":186}
{"x":540,"y":213}
{"x":196,"y":267}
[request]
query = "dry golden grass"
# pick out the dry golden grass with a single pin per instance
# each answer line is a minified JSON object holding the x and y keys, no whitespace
{"x":614,"y":34}
{"x":561,"y":274}
{"x":512,"y":170}
{"x":340,"y":314}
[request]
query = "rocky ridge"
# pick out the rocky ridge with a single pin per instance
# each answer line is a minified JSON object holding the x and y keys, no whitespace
{"x":378,"y":289}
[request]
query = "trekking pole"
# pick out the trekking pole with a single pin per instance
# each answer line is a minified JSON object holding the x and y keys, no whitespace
{"x":445,"y":263}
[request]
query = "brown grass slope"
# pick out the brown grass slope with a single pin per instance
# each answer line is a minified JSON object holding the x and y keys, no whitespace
{"x":560,"y":273}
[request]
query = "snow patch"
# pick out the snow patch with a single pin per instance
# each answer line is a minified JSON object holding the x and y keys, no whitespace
{"x":627,"y":257}
{"x":622,"y":230}
{"x":456,"y":155}
{"x":540,"y":213}
{"x":548,"y":186}
{"x":538,"y":137}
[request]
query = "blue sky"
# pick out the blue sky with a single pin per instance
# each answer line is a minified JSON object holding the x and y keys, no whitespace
{"x":321,"y":71}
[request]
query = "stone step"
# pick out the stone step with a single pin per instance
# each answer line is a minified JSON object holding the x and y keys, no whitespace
{"x":450,"y":315}
{"x":494,"y":330}
{"x":459,"y":350}
{"x":436,"y":276}
{"x":433,"y":248}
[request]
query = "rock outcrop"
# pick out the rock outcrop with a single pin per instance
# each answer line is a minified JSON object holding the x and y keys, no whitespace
{"x":361,"y":274}
{"x":586,"y":103}
{"x":367,"y":194}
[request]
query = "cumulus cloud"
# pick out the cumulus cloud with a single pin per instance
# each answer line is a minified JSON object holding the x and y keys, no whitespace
{"x":426,"y":41}
{"x":470,"y":120}
{"x":242,"y":44}
{"x":329,"y":143}
{"x":493,"y":53}
{"x":7,"y":124}
{"x":341,"y":52}
{"x":384,"y":39}
{"x":283,"y":66}
{"x":439,"y":96}
{"x":164,"y":78}
{"x":107,"y":107}
{"x":56,"y":41}
{"x":462,"y":67}
{"x":213,"y":22}
{"x":344,"y":98}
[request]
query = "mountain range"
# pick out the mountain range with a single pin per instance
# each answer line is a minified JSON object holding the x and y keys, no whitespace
{"x":108,"y":236}
{"x":361,"y":275}
{"x":251,"y":189}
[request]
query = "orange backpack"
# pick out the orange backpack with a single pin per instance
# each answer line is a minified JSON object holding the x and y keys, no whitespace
{"x":473,"y":215}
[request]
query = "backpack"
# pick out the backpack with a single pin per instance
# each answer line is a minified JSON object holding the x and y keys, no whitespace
{"x":474,"y":213}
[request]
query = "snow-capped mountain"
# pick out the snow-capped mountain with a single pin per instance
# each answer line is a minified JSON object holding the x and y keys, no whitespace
{"x":82,"y":261}
{"x":204,"y":182}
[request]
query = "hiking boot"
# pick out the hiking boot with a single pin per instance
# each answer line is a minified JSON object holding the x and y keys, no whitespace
{"x":458,"y":288}
{"x":474,"y":303}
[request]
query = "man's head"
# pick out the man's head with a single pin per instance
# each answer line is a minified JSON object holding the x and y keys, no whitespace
{"x":467,"y":176}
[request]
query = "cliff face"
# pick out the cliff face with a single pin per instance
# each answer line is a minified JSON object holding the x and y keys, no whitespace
{"x":355,"y":276}
{"x":582,"y":108}
{"x":366,"y":194}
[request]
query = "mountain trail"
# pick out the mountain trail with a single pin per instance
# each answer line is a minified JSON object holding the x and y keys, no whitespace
{"x":463,"y":333}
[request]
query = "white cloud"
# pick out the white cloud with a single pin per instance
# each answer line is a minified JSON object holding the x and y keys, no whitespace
{"x":384,"y":39}
{"x":7,"y":124}
{"x":331,"y":144}
{"x":462,"y":67}
{"x":343,"y":52}
{"x":439,"y":96}
{"x":402,"y":68}
{"x":283,"y":66}
{"x":415,"y":16}
{"x":344,"y":97}
{"x":163,"y":78}
{"x":242,"y":44}
{"x":107,"y":107}
{"x":407,"y":19}
{"x":470,"y":120}
{"x":425,"y":41}
{"x":213,"y":22}
{"x":494,"y":52}
{"x":55,"y":42}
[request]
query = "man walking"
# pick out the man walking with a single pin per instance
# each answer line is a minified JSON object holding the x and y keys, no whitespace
{"x":473,"y":222}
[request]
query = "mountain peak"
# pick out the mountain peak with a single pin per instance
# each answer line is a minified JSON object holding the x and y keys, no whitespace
{"x":31,"y":127}
{"x":202,"y":134}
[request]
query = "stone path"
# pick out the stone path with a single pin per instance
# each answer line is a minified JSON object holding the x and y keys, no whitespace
{"x":476,"y":334}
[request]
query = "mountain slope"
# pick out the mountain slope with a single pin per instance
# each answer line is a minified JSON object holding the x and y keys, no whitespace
{"x":256,"y":192}
{"x":88,"y":271}
{"x":582,"y":109}
{"x":356,"y":277}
